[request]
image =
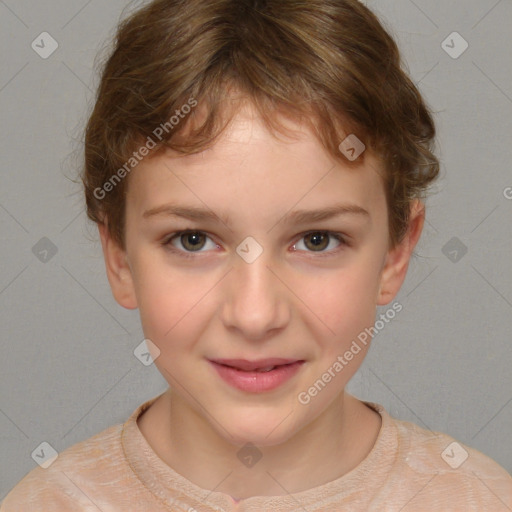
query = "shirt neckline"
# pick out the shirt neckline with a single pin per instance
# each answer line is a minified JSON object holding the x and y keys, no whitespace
{"x":169,"y":487}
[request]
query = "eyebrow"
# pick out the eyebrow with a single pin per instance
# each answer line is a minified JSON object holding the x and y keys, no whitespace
{"x":297,"y":216}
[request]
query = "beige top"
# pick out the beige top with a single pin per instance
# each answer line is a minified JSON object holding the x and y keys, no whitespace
{"x":408,"y":469}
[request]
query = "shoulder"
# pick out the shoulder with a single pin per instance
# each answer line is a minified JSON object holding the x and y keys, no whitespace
{"x":450,"y":473}
{"x":67,"y":481}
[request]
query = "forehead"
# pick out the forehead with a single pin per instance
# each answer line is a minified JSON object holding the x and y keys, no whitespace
{"x":252,"y":169}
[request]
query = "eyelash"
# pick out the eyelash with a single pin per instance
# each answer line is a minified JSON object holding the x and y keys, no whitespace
{"x":190,"y":254}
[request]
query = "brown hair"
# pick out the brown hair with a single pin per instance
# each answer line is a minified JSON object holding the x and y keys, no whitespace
{"x":328,"y":61}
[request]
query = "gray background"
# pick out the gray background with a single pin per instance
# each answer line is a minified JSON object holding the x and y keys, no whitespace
{"x":68,"y":370}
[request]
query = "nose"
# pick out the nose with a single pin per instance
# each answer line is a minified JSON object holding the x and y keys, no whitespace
{"x":255,"y":299}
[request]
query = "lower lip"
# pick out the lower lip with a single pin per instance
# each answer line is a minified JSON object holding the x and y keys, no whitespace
{"x":257,"y":382}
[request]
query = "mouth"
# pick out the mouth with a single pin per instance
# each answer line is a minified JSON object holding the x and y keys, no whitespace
{"x":256,"y":376}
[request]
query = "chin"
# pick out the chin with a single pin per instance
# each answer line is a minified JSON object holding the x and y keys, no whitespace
{"x":266,"y":430}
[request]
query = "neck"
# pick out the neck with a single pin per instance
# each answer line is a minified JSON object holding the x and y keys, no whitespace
{"x":322,"y":451}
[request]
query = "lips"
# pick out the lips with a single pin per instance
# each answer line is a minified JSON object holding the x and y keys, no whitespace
{"x":258,"y":376}
{"x":259,"y":365}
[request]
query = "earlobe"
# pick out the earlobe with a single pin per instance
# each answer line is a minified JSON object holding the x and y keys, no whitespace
{"x":397,"y":259}
{"x":118,"y":271}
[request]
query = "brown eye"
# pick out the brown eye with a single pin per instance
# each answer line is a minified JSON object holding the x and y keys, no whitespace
{"x":193,"y":241}
{"x":186,"y":243}
{"x":318,"y":241}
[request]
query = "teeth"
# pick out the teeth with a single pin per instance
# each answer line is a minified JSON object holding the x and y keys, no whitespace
{"x":267,"y":369}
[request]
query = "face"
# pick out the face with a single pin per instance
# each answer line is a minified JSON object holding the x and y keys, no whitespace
{"x":262,"y":273}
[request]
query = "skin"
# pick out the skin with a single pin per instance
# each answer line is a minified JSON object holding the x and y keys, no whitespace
{"x":294,"y":301}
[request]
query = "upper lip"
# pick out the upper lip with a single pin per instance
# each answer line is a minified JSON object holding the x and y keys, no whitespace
{"x":244,"y":364}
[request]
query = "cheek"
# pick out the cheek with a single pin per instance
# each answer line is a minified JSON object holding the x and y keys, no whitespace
{"x":345,"y":300}
{"x":169,"y":303}
{"x":173,"y":320}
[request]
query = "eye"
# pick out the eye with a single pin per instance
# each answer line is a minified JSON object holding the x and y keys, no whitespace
{"x":191,"y":241}
{"x":194,"y":241}
{"x":318,"y":241}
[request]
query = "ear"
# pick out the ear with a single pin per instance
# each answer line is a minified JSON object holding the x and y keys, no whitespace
{"x":397,"y":260}
{"x":118,"y":270}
